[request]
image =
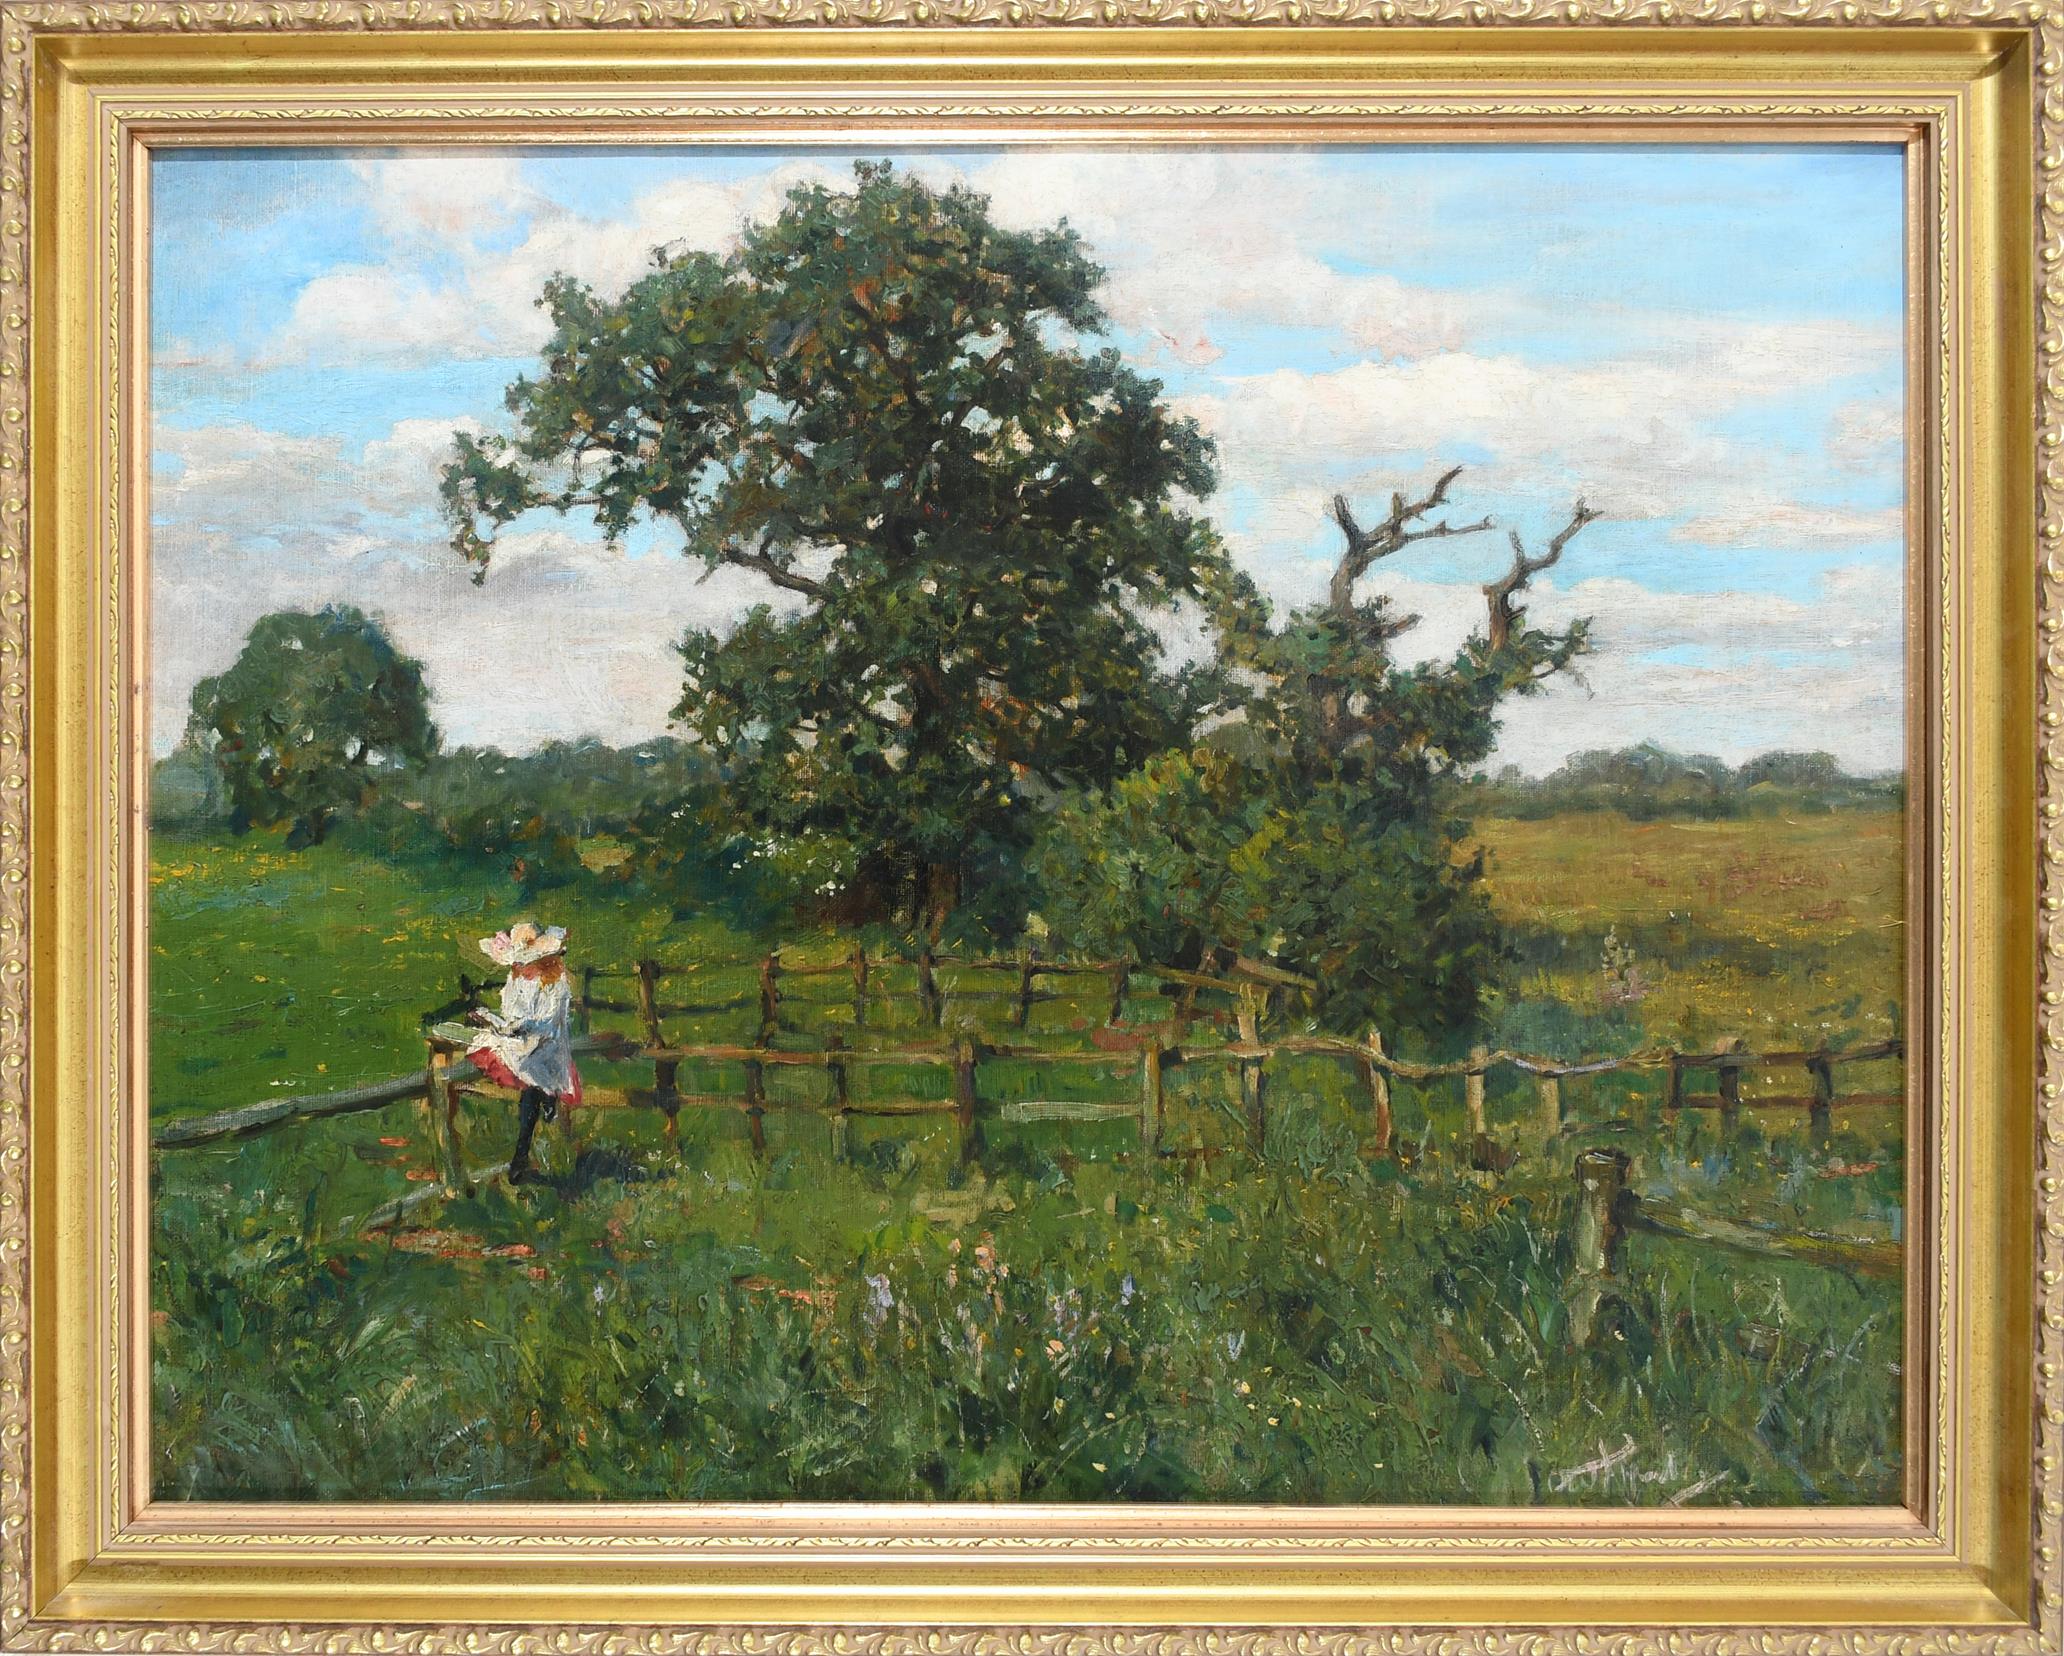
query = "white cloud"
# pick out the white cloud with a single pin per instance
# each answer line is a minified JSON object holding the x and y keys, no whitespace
{"x":1730,"y":673}
{"x":439,"y":212}
{"x":566,"y":637}
{"x":1866,"y":436}
{"x":1196,"y":242}
{"x":1159,"y":222}
{"x":449,"y":197}
{"x":1633,"y":435}
{"x":1791,"y":523}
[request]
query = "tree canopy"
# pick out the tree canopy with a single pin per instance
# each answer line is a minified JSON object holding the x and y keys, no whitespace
{"x":315,"y":709}
{"x":1313,"y":828}
{"x":887,"y":407}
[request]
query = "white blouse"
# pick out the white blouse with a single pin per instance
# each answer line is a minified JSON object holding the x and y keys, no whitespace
{"x":535,"y":1039}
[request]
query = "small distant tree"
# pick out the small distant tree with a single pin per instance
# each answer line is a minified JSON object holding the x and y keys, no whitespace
{"x":1317,"y":829}
{"x":316,"y":711}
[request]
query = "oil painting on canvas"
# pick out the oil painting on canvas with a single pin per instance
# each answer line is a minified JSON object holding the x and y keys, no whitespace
{"x":1152,"y":824}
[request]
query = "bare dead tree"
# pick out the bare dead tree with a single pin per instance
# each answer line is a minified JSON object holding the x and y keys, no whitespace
{"x":1505,"y":614}
{"x":1398,"y":530}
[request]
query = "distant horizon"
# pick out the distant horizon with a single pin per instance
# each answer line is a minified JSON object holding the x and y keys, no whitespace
{"x":1490,"y":771}
{"x":1707,"y":344}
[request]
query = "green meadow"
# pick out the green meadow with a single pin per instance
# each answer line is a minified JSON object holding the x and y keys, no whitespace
{"x":675,"y":1318}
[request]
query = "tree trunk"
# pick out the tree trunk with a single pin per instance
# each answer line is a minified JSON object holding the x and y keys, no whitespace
{"x":309,"y":830}
{"x":939,"y":895}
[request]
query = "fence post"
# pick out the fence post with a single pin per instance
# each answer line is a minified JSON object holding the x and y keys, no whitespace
{"x":928,"y":985}
{"x":1595,"y":1232}
{"x":756,"y":1104}
{"x":770,"y":997}
{"x":1026,"y":970}
{"x":1727,"y":1078}
{"x":1150,"y":1096}
{"x":442,"y":1101}
{"x":587,"y":1000}
{"x":665,"y":1090}
{"x":1821,"y":1108}
{"x":1121,"y":976}
{"x":1473,"y":1103}
{"x":1673,"y":1098}
{"x":1551,"y":1105}
{"x":836,"y":1068}
{"x":965,"y":1100}
{"x":1377,"y":1079}
{"x":1185,"y":1011}
{"x":859,"y":986}
{"x":1253,"y":1082}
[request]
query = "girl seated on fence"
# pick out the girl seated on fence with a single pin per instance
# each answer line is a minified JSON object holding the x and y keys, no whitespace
{"x":529,"y":1045}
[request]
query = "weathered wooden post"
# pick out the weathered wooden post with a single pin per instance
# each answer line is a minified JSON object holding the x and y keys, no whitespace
{"x":1377,"y":1079}
{"x":1150,"y":1096}
{"x":1727,"y":1077}
{"x":1820,"y":1069}
{"x":1027,"y":969}
{"x":442,"y":1112}
{"x":587,"y":1000}
{"x":965,"y":1099}
{"x":1595,"y":1233}
{"x":1551,"y":1104}
{"x":1253,"y":1082}
{"x":841,"y":1101}
{"x":859,"y":986}
{"x":756,"y":1104}
{"x":928,"y":985}
{"x":1121,"y":977}
{"x":665,"y":1089}
{"x":1186,"y":1009}
{"x":770,"y":997}
{"x":1481,"y":1151}
{"x":1673,"y":1097}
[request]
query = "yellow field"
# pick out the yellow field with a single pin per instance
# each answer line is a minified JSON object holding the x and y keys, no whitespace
{"x":1776,"y":929}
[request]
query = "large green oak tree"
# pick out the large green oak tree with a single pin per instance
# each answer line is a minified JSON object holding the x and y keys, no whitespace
{"x":889,"y":409}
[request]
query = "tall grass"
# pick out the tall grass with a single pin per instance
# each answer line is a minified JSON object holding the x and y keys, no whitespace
{"x":676,"y":1319}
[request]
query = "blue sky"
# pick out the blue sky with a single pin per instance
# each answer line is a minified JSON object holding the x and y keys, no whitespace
{"x":1703,"y":343}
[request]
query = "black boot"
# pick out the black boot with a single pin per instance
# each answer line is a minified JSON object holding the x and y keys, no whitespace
{"x":529,"y":1105}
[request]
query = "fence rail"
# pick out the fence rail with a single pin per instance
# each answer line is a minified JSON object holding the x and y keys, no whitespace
{"x":1149,"y":1051}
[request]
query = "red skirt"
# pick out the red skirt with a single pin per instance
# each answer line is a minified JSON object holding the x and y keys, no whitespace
{"x":501,"y":1075}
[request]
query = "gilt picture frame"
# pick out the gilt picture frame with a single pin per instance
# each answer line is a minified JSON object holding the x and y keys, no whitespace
{"x":93,"y":1555}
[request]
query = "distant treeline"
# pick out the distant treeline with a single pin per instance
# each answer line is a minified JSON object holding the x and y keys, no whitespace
{"x":1649,"y":782}
{"x":574,"y":804}
{"x":546,"y":816}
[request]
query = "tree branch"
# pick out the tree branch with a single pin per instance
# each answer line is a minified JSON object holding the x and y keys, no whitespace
{"x":779,"y":574}
{"x":1366,"y":546}
{"x":1505,"y":615}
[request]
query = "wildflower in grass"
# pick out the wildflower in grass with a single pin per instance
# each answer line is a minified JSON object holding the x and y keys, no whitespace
{"x":879,"y":1303}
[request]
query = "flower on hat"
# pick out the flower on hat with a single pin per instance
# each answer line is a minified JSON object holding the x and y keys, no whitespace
{"x":522,"y":943}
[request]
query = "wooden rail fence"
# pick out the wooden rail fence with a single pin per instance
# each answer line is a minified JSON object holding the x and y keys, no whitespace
{"x":1148,"y":1051}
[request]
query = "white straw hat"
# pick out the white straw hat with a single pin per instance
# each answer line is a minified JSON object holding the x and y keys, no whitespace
{"x":522,"y":943}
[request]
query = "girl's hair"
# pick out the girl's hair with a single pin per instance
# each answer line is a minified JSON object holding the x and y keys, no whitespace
{"x":551,"y":967}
